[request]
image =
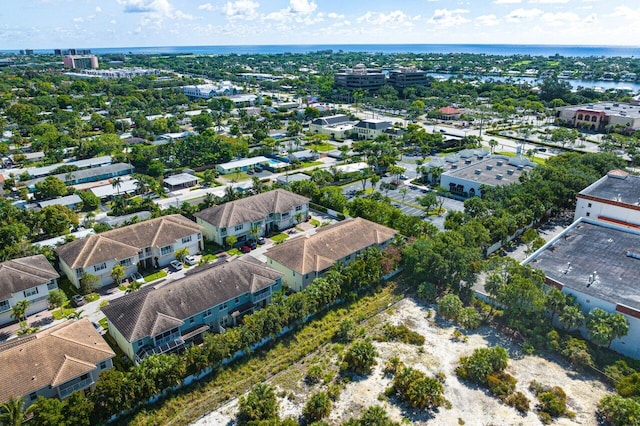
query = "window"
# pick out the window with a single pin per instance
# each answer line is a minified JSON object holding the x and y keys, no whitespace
{"x":125,"y":262}
{"x":589,"y":205}
{"x":79,"y":272}
{"x":100,"y":267}
{"x":237,"y":300}
{"x":30,"y":292}
{"x":33,"y":396}
{"x":207,"y":313}
{"x":84,"y":377}
{"x":199,"y":236}
{"x":186,"y":240}
{"x":298,"y":208}
{"x":192,"y":320}
{"x":224,"y":306}
{"x":239,"y":227}
{"x":223,"y":231}
{"x":588,"y":214}
{"x":52,"y":285}
{"x":285,"y":215}
{"x":103,"y":365}
{"x":4,"y":305}
{"x":166,"y":250}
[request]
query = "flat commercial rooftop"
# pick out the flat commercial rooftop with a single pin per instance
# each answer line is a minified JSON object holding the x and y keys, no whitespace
{"x":586,"y":246}
{"x":492,"y":171}
{"x":616,"y":186}
{"x":610,"y":108}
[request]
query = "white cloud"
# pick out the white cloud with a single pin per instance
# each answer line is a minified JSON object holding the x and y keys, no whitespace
{"x":333,"y":15}
{"x":394,"y":19}
{"x":560,"y":19}
{"x":158,"y":8}
{"x":78,"y":20}
{"x":448,"y":18}
{"x":304,"y":7}
{"x":98,"y":9}
{"x":626,"y":12}
{"x":506,"y":1}
{"x":241,"y":9}
{"x":113,"y":22}
{"x":591,"y":19}
{"x":523,"y":14}
{"x":488,"y":20}
{"x":548,"y":1}
{"x":207,"y":6}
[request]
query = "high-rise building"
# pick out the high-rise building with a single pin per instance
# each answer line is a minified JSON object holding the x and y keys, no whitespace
{"x":360,"y":77}
{"x":407,"y":77}
{"x":81,"y":61}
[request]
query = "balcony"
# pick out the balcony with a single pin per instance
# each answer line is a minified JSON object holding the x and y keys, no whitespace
{"x":169,"y":346}
{"x":82,"y":384}
{"x":261,"y":295}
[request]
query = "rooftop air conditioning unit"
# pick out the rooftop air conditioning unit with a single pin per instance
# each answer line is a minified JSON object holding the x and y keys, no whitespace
{"x":510,"y":171}
{"x":499,"y":163}
{"x":489,"y":167}
{"x":477,"y":171}
{"x":499,"y":176}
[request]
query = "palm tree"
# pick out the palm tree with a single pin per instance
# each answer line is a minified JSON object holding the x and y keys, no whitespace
{"x":258,"y":185}
{"x":75,"y":315}
{"x":571,"y":317}
{"x":19,"y":310}
{"x":208,"y":200}
{"x":492,"y":144}
{"x":13,"y":413}
{"x":133,"y":286}
{"x":254,"y":231}
{"x":116,"y":183}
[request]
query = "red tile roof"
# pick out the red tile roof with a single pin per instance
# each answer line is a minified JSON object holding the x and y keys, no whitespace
{"x":449,"y":111}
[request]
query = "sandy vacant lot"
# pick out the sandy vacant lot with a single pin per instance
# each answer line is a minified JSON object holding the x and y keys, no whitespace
{"x":470,"y":406}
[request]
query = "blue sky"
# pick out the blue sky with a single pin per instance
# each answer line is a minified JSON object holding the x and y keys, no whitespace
{"x":45,"y":24}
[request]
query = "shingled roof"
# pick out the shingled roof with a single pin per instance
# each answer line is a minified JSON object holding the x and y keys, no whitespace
{"x":252,"y":208}
{"x":122,"y":243}
{"x":317,"y":252}
{"x":50,"y":358}
{"x":27,"y":272}
{"x":152,"y":310}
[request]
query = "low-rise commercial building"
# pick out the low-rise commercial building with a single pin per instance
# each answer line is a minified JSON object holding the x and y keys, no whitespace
{"x":597,"y":263}
{"x":371,"y":128}
{"x":337,"y":127}
{"x":613,"y":198}
{"x":360,"y":77}
{"x":405,"y":77}
{"x":598,"y":116}
{"x":207,"y":91}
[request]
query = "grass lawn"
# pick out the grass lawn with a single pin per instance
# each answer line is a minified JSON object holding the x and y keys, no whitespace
{"x":278,"y":238}
{"x":315,"y":222}
{"x":155,"y":276}
{"x":92,"y":297}
{"x":62,"y":312}
{"x":122,"y":287}
{"x":103,"y":322}
{"x":323,"y":147}
{"x":238,"y":176}
{"x":234,"y":252}
{"x":311,"y":163}
{"x":209,"y":258}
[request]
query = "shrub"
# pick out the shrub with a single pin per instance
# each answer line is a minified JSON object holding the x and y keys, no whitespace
{"x":361,"y":357}
{"x":334,"y":391}
{"x":552,"y":401}
{"x":519,"y":401}
{"x":314,"y":374}
{"x":317,"y":407}
{"x":619,"y":411}
{"x":450,"y":306}
{"x":469,"y":318}
{"x":501,"y":384}
{"x":346,"y":331}
{"x":427,"y":292}
{"x":401,"y":333}
{"x":481,"y":363}
{"x":576,"y":350}
{"x":259,"y":404}
{"x":416,"y":389}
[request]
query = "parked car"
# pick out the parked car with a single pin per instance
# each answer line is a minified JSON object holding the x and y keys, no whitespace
{"x":245,"y":249}
{"x":252,"y":243}
{"x":175,"y":265}
{"x":79,"y":300}
{"x":404,"y":177}
{"x":190,"y":260}
{"x":261,"y":240}
{"x":98,"y":328}
{"x":137,"y":277}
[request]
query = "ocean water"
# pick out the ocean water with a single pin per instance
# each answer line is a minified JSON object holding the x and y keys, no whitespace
{"x":488,"y":49}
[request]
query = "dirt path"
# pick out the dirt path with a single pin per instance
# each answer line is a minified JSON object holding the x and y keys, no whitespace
{"x":470,"y":405}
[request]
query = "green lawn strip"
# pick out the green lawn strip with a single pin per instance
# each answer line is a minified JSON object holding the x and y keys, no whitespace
{"x":311,"y":163}
{"x":278,"y":238}
{"x":188,"y":404}
{"x":92,"y":297}
{"x":104,"y":323}
{"x":61,"y":313}
{"x":234,"y":252}
{"x":155,"y":276}
{"x":323,"y":147}
{"x":122,"y":287}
